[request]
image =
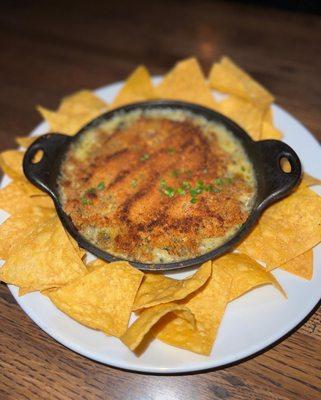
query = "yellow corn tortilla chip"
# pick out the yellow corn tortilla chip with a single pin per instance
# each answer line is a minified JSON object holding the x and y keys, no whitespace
{"x":138,"y":87}
{"x":157,"y":289}
{"x":25,"y":141}
{"x":270,"y":132}
{"x":74,"y":112}
{"x":148,"y":318}
{"x":42,"y":200}
{"x":305,"y":183}
{"x":19,"y":226}
{"x":309,"y":180}
{"x":63,"y":123}
{"x":301,"y":265}
{"x":227,"y":77}
{"x":286,"y":229}
{"x":80,"y":102}
{"x":23,"y":291}
{"x":208,"y":306}
{"x":46,"y":292}
{"x":246,"y":274}
{"x":96,"y":264}
{"x":11,"y":163}
{"x":268,"y":116}
{"x":102,"y":299}
{"x":46,"y":258}
{"x":186,"y":82}
{"x":60,"y":123}
{"x":245,"y":114}
{"x":18,"y":195}
{"x":81,"y":252}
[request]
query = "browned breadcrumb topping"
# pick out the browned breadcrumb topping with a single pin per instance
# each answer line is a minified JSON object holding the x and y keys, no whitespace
{"x":118,"y":190}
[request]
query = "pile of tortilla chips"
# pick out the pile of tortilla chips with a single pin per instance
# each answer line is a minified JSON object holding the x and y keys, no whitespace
{"x":40,"y":256}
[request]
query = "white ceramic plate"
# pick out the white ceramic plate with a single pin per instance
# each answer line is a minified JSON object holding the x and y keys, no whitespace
{"x":250,"y":323}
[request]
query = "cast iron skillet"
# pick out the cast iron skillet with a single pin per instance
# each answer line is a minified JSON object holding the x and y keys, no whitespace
{"x":272,"y":182}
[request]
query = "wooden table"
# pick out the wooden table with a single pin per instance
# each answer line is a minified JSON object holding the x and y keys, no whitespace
{"x":50,"y":50}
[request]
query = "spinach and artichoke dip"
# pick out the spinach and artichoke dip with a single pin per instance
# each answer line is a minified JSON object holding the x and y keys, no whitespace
{"x":157,"y":186}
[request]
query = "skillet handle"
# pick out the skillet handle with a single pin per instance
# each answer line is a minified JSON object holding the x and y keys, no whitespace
{"x":278,"y":183}
{"x":39,"y":173}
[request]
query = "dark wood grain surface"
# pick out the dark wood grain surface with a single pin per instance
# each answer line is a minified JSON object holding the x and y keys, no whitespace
{"x":50,"y":49}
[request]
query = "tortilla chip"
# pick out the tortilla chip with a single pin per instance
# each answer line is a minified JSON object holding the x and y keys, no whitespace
{"x":17,"y":196}
{"x":227,"y":77}
{"x":287,"y":229}
{"x":11,"y":163}
{"x":46,"y":258}
{"x":95,"y":264}
{"x":309,"y":180}
{"x":25,"y":141}
{"x":69,"y":125}
{"x":23,"y":291}
{"x":74,"y":112}
{"x":42,"y":200}
{"x":81,"y":102}
{"x":268,"y":116}
{"x":301,"y":265}
{"x":138,"y":87}
{"x":246,"y":274}
{"x":60,"y":123}
{"x":157,"y":289}
{"x":19,"y":226}
{"x":81,"y":252}
{"x":245,"y":114}
{"x":148,"y":318}
{"x":208,"y":306}
{"x":102,"y":299}
{"x":270,"y":132}
{"x":186,"y":82}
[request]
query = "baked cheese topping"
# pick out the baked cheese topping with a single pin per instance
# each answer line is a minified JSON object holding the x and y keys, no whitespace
{"x":157,"y":186}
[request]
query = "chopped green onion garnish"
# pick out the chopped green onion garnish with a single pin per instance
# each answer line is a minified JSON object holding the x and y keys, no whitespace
{"x":194,"y":192}
{"x":170,"y":192}
{"x":90,"y":191}
{"x":133,"y":183}
{"x":101,"y":186}
{"x":85,"y":201}
{"x":193,"y":200}
{"x":181,"y":191}
{"x":144,"y":157}
{"x":171,"y":150}
{"x":186,"y":185}
{"x":200,"y":184}
{"x":218,"y":181}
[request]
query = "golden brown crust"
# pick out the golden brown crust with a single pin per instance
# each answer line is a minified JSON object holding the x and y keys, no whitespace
{"x":132,"y":163}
